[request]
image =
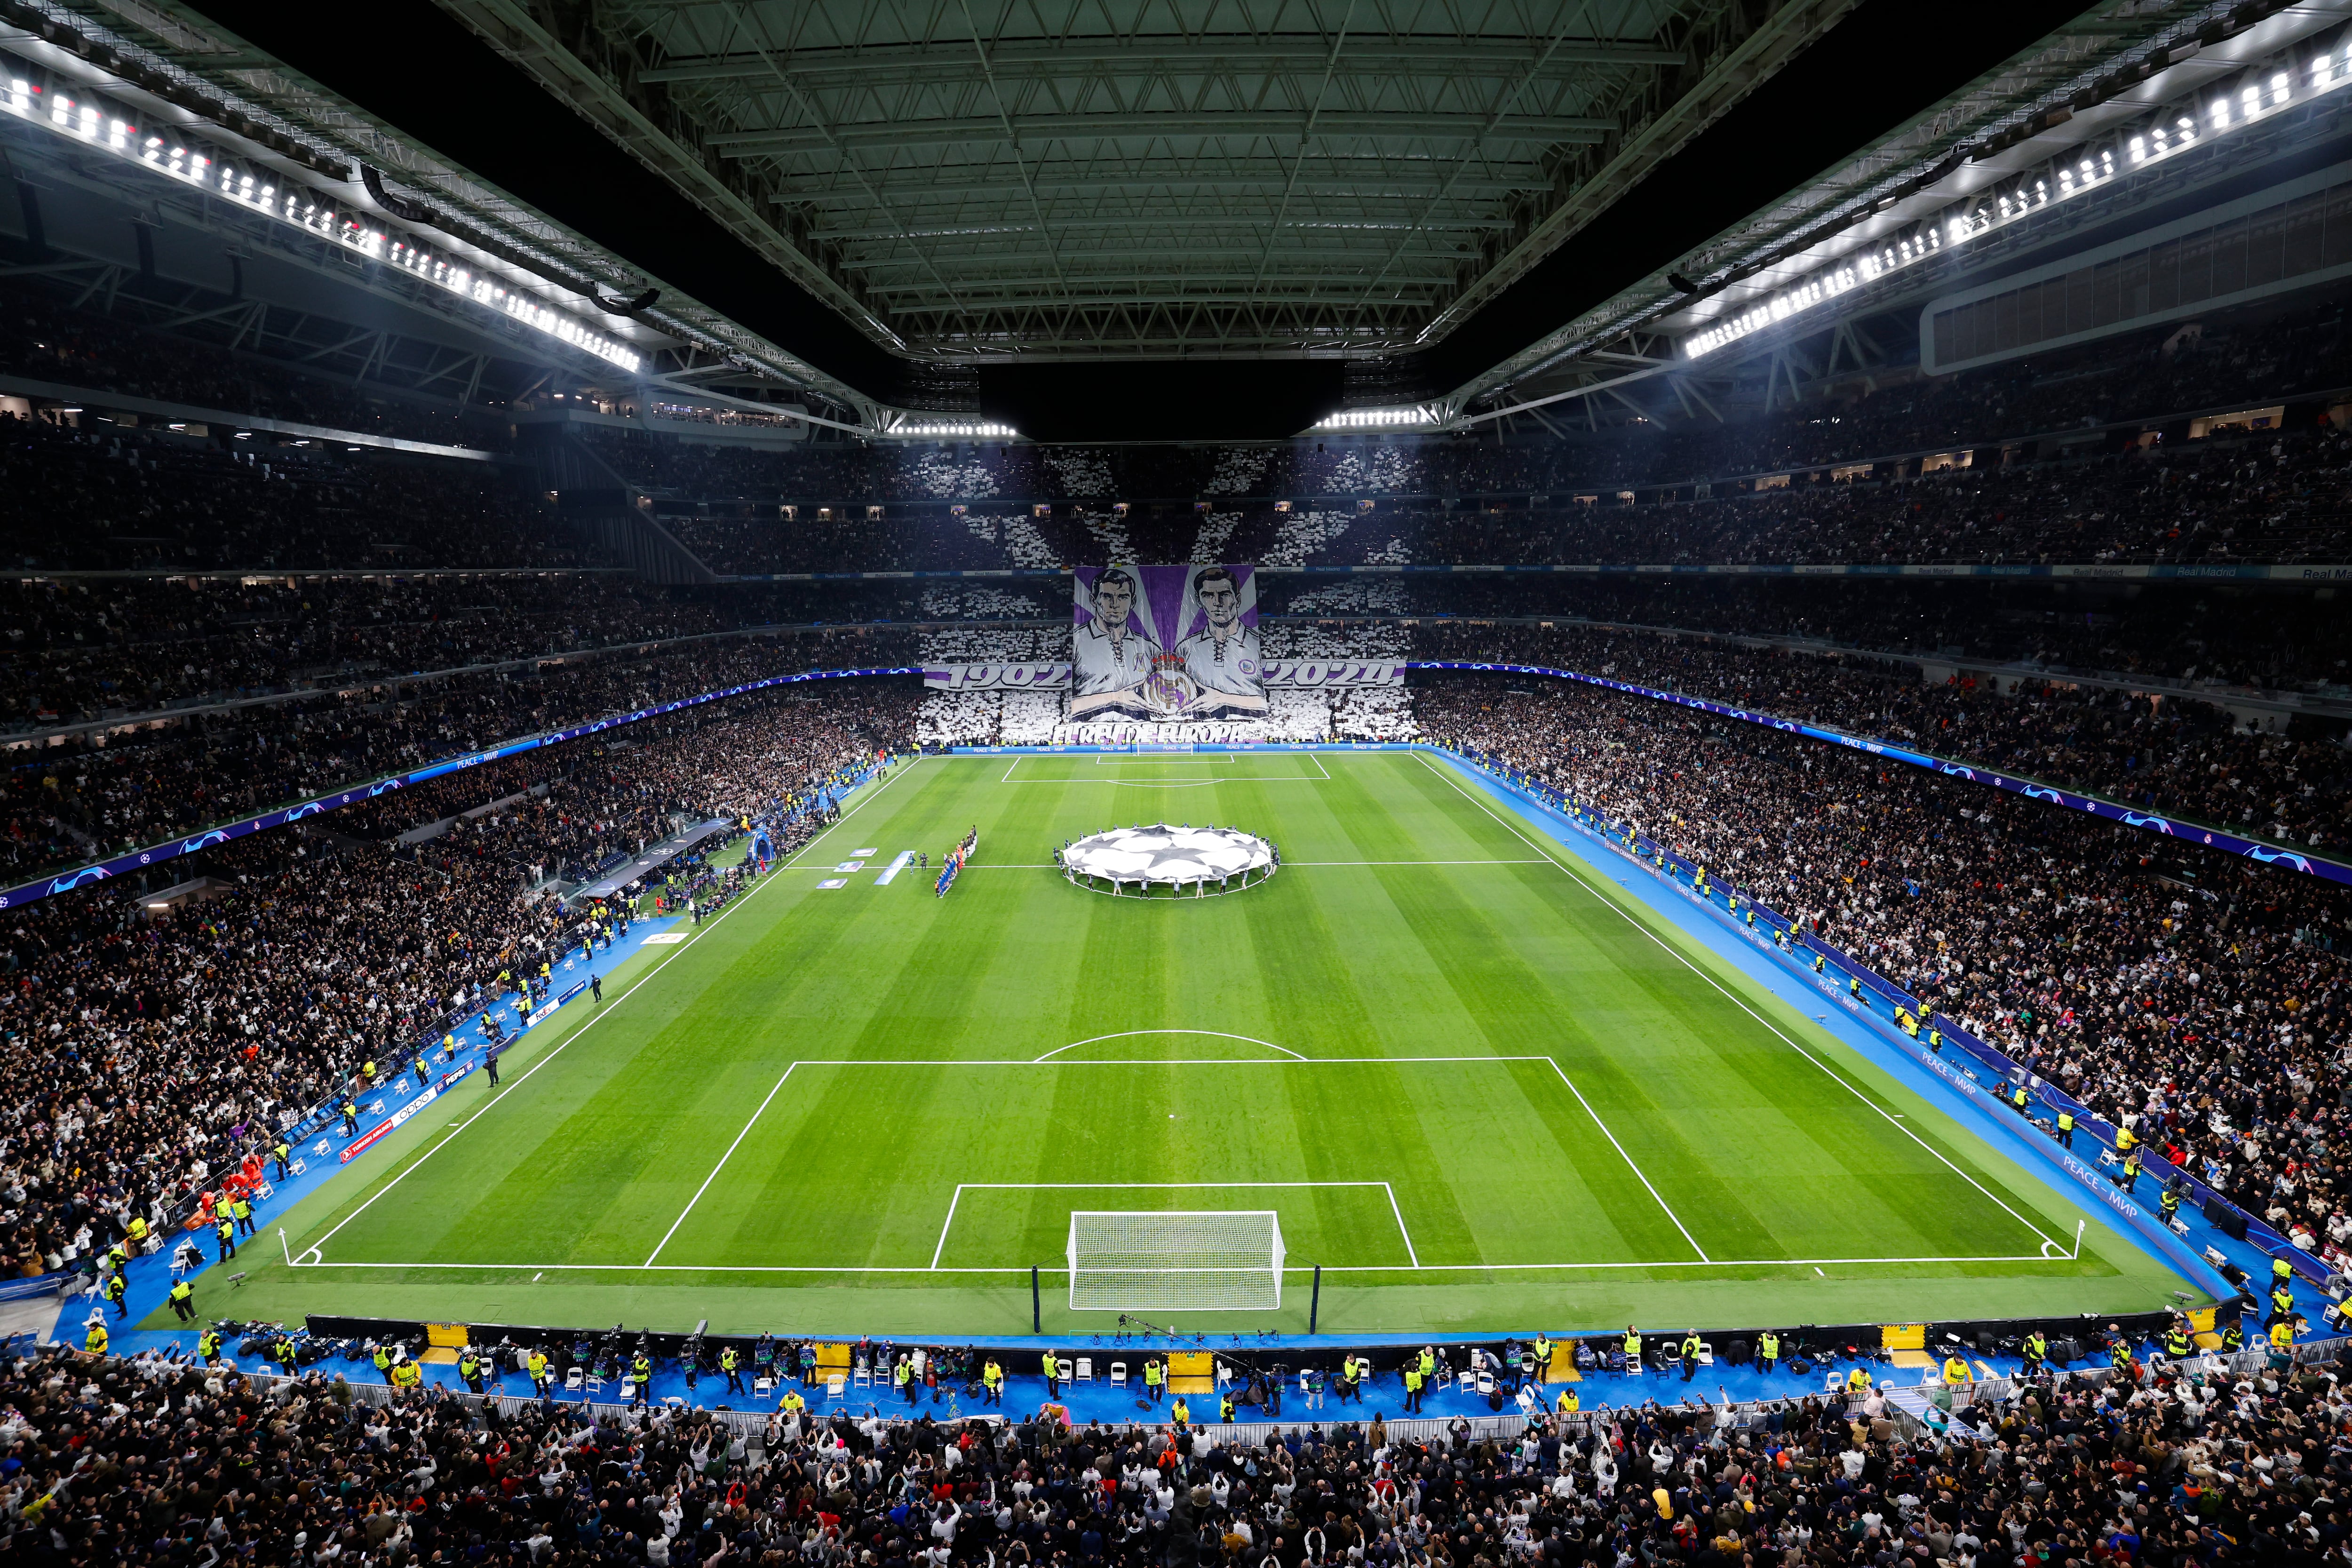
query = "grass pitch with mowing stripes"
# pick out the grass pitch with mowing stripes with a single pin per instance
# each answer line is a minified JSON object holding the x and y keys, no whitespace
{"x":1483,"y":1089}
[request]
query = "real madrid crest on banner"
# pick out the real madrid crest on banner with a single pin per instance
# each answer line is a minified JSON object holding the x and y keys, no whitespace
{"x":1167,"y":689}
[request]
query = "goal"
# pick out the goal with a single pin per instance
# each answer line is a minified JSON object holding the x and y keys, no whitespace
{"x":1196,"y":1259}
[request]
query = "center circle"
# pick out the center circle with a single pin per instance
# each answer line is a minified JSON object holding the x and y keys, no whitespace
{"x":1205,"y":859}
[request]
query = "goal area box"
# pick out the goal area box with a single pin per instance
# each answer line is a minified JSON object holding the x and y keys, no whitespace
{"x":1130,"y":1260}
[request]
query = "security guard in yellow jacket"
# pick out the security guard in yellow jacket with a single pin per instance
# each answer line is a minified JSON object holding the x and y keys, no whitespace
{"x":114,"y":1291}
{"x":732,"y":1365}
{"x":183,"y":1297}
{"x":94,"y":1342}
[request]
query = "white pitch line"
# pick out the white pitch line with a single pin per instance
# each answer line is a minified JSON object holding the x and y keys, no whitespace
{"x":715,"y":1169}
{"x":1286,"y":865}
{"x":1136,"y":1061}
{"x":943,"y":1246}
{"x":1408,"y":1252}
{"x":1289,"y":1269}
{"x":675,"y":954}
{"x":1737,"y":1001}
{"x":1627,"y":1158}
{"x":1129,"y":1033}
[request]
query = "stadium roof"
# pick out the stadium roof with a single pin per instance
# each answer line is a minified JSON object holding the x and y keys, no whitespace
{"x":1072,"y":220}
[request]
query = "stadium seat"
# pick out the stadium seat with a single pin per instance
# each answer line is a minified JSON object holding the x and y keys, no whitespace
{"x":1119,"y":1374}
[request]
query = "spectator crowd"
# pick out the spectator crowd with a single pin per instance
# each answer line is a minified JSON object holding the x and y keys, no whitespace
{"x":154,"y":1460}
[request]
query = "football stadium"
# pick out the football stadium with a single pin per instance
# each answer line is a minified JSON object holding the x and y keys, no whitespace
{"x":1132,"y":786}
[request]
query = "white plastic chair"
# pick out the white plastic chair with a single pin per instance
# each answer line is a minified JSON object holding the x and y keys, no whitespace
{"x":575,"y":1379}
{"x":1086,"y":1370}
{"x":833,"y":1385}
{"x":762,"y":1387}
{"x":863,"y":1375}
{"x":628,"y":1390}
{"x":1224,"y":1374}
{"x":1119,"y":1374}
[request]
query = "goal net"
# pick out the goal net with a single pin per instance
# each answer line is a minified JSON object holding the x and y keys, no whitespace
{"x":1197,"y":1259}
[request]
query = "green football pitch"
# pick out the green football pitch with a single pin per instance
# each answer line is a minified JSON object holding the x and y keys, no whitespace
{"x":1483,"y":1086}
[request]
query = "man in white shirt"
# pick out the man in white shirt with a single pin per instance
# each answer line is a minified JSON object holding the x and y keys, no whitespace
{"x":1112,"y":654}
{"x":1222,"y":656}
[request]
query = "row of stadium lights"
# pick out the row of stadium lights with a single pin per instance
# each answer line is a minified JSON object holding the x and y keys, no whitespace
{"x":2181,"y":131}
{"x":93,"y":126}
{"x":952,"y":429}
{"x":1378,"y":418}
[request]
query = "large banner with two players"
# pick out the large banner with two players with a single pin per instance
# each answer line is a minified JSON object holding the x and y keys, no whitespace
{"x":1166,"y":643}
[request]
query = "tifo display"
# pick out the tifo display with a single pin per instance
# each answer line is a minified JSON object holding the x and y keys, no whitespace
{"x":1172,"y":858}
{"x":1166,"y":643}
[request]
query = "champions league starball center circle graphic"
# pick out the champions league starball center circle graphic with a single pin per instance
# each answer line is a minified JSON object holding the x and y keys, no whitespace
{"x":1189,"y":862}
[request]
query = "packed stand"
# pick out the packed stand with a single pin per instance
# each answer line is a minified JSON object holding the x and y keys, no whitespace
{"x":2202,"y":993}
{"x":142,"y":1056}
{"x":2289,"y":638}
{"x":46,"y":341}
{"x":109,"y":499}
{"x":2179,"y":756}
{"x":106,"y":795}
{"x":76,"y":650}
{"x":2162,"y":1468}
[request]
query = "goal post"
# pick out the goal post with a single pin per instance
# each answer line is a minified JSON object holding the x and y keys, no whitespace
{"x":1170,"y":1259}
